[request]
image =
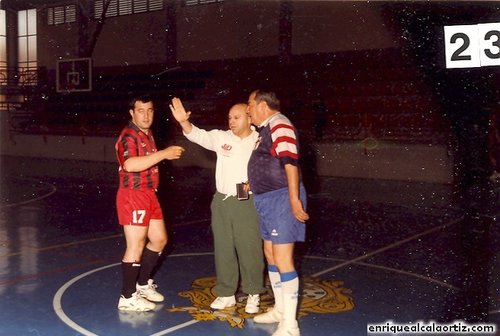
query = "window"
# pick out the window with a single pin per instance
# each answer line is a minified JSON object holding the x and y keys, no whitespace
{"x":61,"y":14}
{"x":125,"y":7}
{"x":155,"y":5}
{"x":3,"y":48}
{"x":199,"y":2}
{"x":140,"y":6}
{"x":27,"y":52}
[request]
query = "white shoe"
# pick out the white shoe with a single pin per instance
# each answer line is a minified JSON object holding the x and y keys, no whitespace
{"x":271,"y":316}
{"x":287,"y":329}
{"x":222,"y":302}
{"x":135,"y":303}
{"x":149,"y":292}
{"x":253,"y":302}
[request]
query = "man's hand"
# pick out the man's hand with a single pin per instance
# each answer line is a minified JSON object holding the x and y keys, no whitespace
{"x":140,"y":163}
{"x":292,"y":176}
{"x":298,"y":211}
{"x":178,"y":110}
{"x":181,"y":115}
{"x":246,"y":186}
{"x":172,"y":152}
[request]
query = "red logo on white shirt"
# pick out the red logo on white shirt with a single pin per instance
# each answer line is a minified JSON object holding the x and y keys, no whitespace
{"x":226,"y":147}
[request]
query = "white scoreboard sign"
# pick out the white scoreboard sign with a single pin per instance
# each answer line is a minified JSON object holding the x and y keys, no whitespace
{"x":472,"y":46}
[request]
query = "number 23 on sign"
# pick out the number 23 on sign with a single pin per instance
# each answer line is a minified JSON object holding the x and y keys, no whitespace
{"x":472,"y":46}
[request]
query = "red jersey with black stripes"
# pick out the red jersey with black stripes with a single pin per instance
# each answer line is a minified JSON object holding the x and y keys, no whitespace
{"x":134,"y":142}
{"x":277,"y":146}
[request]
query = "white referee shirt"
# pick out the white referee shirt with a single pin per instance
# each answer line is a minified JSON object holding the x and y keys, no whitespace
{"x":232,"y":152}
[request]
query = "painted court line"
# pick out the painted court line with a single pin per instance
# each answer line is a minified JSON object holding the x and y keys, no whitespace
{"x":175,"y":328}
{"x":56,"y":302}
{"x":388,"y":247}
{"x":69,"y":322}
{"x":54,"y":189}
{"x":390,"y":269}
{"x":59,"y":310}
{"x":53,"y":247}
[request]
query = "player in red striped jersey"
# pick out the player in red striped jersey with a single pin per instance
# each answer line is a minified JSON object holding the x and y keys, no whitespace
{"x":138,"y":209}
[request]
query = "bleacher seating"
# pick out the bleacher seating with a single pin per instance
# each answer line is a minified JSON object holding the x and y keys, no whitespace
{"x":372,"y":93}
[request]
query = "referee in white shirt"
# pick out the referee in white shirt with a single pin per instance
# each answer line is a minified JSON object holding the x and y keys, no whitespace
{"x":235,"y":223}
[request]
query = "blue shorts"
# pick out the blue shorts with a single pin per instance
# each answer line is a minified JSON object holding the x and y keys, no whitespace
{"x":277,"y":222}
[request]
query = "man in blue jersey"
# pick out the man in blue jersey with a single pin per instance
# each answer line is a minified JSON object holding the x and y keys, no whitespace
{"x":280,"y":199}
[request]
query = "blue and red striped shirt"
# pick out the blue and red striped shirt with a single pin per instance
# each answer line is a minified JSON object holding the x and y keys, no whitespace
{"x":277,"y":145}
{"x":134,"y":142}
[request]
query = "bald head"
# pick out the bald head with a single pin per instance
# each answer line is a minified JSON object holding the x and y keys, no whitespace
{"x":239,"y":121}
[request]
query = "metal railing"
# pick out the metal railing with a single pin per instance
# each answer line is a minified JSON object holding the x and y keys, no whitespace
{"x":19,"y":76}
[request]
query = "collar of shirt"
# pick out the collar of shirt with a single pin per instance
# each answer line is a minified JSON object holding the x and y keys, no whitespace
{"x":247,"y":138}
{"x":137,"y":129}
{"x":265,"y":122}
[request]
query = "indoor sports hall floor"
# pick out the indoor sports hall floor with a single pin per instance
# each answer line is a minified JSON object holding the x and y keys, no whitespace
{"x":377,"y":251}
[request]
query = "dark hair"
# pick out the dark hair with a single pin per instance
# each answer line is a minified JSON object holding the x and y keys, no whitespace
{"x":269,"y":97}
{"x":145,"y":98}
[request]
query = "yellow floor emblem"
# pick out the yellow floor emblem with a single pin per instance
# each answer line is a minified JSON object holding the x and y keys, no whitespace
{"x":318,"y":296}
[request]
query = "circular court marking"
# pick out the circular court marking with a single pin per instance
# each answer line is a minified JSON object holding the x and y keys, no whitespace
{"x":56,"y":302}
{"x":52,"y":190}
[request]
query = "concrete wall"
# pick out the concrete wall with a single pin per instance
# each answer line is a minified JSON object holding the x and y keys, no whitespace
{"x":371,"y":159}
{"x":382,"y":160}
{"x":232,"y":29}
{"x":389,"y":161}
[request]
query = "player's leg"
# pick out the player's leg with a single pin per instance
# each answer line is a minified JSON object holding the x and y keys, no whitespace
{"x":275,"y":314}
{"x":135,"y":237}
{"x":289,"y":230}
{"x":288,"y":292}
{"x":249,"y":249}
{"x":282,"y":255}
{"x":128,"y":210}
{"x":157,"y":235}
{"x":265,"y":207}
{"x":226,"y":262}
{"x":285,"y":231}
{"x":157,"y":240}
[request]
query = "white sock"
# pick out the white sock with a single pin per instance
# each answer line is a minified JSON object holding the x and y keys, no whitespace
{"x":290,"y":296}
{"x":275,"y":279}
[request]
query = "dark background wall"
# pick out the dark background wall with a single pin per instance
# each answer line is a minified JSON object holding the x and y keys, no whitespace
{"x":378,"y":66}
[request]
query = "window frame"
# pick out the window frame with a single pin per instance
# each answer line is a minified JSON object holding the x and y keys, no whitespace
{"x":58,"y":15}
{"x":126,"y":7}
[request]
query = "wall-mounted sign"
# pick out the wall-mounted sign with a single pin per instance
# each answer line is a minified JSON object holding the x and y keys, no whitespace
{"x":472,"y":46}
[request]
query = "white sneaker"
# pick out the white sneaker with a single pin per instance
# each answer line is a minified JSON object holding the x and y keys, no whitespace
{"x":135,"y":303}
{"x":271,"y":316}
{"x":222,"y":302}
{"x":287,"y":329}
{"x":149,"y":292}
{"x":253,"y":302}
